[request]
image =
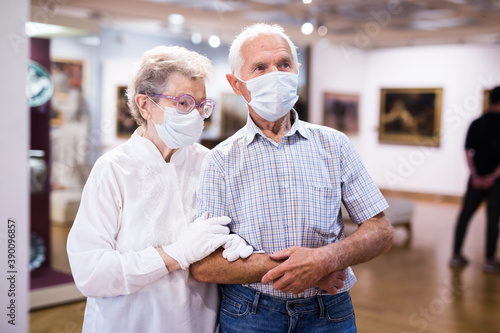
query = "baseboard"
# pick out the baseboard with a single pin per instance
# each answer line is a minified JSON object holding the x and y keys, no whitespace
{"x":54,"y":295}
{"x":431,"y":197}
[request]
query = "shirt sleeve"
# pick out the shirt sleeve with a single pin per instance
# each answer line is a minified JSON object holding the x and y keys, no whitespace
{"x":211,"y":192}
{"x":360,"y":196}
{"x":99,"y":270}
{"x":470,"y":140}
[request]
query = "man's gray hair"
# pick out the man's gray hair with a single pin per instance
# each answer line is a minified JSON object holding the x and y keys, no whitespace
{"x":157,"y":66}
{"x":249,"y":33}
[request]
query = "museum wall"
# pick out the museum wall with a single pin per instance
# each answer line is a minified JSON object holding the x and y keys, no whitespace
{"x":462,"y":71}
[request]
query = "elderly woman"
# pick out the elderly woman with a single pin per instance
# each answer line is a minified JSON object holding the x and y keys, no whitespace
{"x":132,"y":240}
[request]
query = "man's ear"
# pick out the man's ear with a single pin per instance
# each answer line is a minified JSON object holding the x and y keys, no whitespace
{"x":235,"y":83}
{"x":142,"y":102}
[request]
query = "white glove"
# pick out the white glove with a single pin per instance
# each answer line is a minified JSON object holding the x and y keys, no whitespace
{"x":236,"y":248}
{"x":201,"y":238}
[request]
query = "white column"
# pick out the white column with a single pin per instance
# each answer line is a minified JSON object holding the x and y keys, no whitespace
{"x":14,"y":185}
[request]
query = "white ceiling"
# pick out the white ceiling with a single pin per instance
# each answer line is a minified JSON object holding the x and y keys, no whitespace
{"x":363,"y":24}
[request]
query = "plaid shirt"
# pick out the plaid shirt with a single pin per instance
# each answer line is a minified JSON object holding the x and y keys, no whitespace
{"x":288,"y":194}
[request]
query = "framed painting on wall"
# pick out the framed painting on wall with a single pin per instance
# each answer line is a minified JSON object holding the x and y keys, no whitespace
{"x":125,"y":123}
{"x":68,"y":78}
{"x":340,"y":111}
{"x":410,"y":116}
{"x":486,"y":100}
{"x":234,"y":114}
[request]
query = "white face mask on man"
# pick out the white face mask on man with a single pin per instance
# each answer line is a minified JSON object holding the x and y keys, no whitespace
{"x":273,"y":94}
{"x":179,"y":130}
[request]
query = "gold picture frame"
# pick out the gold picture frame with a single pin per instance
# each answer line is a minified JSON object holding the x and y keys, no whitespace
{"x":341,"y":112}
{"x":67,"y":74}
{"x":486,"y":100}
{"x":410,"y":116}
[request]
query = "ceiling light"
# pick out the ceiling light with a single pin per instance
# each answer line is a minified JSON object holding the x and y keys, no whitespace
{"x":306,"y":2}
{"x":43,"y":30}
{"x":176,"y":19}
{"x":307,"y":28}
{"x":196,"y":38}
{"x":214,"y":41}
{"x":322,"y":30}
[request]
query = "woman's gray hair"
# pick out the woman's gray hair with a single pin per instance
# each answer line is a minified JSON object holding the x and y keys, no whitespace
{"x":249,"y":33}
{"x":157,"y":66}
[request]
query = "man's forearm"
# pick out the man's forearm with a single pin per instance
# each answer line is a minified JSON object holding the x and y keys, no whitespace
{"x":216,"y":269}
{"x":469,"y":155}
{"x":372,"y":238}
{"x":496,"y":173}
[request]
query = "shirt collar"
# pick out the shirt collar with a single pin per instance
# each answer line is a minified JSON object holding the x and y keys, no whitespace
{"x":253,"y":129}
{"x":298,"y":126}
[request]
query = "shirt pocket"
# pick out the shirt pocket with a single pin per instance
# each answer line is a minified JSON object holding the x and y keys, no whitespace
{"x":312,"y":172}
{"x":317,"y":194}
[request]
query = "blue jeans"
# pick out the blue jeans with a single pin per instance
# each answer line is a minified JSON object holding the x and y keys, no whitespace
{"x":247,"y":310}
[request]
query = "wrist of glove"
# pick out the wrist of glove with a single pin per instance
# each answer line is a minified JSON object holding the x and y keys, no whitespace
{"x":236,"y":248}
{"x":201,"y":238}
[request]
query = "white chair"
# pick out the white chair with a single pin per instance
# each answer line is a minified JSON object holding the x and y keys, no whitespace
{"x":399,"y":214}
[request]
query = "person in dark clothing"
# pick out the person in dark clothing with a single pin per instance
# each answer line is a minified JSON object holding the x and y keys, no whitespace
{"x":482,"y":148}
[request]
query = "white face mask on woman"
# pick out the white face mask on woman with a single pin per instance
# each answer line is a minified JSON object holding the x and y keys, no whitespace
{"x":273,"y":94}
{"x":179,"y":130}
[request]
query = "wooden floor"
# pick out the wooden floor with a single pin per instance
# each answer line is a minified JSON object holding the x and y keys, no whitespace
{"x":409,"y":289}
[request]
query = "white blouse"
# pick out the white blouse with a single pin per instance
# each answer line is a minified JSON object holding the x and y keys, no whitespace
{"x":133,"y":202}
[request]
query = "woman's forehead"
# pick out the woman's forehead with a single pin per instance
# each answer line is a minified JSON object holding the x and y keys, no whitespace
{"x":179,"y":84}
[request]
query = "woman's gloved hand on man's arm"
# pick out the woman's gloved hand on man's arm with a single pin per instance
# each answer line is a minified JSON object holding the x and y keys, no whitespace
{"x":201,"y":238}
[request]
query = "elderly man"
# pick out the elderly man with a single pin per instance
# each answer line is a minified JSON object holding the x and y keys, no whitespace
{"x":282,"y":180}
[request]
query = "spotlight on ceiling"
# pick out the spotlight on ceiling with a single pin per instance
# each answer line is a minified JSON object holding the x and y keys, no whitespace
{"x":214,"y":41}
{"x":322,"y":31}
{"x":306,"y":2}
{"x":196,"y":38}
{"x":176,"y":19}
{"x":307,"y":28}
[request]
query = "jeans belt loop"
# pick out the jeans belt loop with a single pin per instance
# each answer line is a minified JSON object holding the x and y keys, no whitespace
{"x":255,"y":302}
{"x":321,"y":307}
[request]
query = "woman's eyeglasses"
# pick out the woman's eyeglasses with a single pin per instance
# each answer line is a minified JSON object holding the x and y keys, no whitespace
{"x":186,"y":103}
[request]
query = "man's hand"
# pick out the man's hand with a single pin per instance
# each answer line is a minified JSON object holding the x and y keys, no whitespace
{"x":302,"y":268}
{"x":483,"y":182}
{"x":332,"y":282}
{"x":305,"y":267}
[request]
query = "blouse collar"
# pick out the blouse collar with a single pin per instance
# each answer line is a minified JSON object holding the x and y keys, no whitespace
{"x":146,"y":149}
